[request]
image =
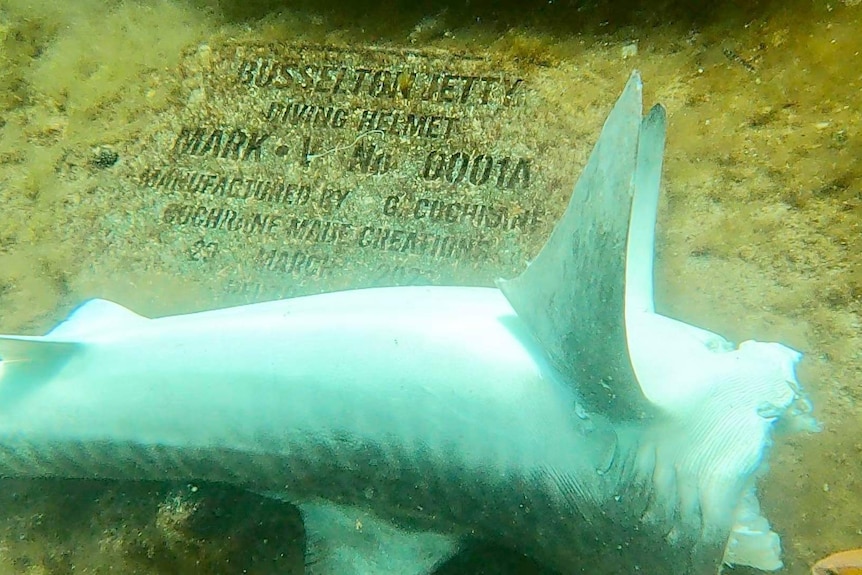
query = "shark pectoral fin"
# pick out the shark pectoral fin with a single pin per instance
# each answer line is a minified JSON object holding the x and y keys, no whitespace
{"x":32,"y":359}
{"x":573,"y":295}
{"x":20,"y":352}
{"x":343,"y":540}
{"x":16,"y":350}
{"x":26,"y":362}
{"x":93,"y":317}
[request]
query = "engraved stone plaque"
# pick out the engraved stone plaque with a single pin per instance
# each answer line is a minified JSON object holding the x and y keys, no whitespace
{"x":290,"y":169}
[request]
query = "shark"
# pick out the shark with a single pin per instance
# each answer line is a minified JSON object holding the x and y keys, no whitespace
{"x":556,"y":414}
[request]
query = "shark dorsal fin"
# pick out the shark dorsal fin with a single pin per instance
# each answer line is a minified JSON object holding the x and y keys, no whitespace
{"x":573,"y":295}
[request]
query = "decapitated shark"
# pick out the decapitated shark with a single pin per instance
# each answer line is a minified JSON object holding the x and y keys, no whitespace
{"x":558,"y":414}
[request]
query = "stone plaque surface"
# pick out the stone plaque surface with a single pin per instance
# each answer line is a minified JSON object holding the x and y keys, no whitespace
{"x":299,"y":168}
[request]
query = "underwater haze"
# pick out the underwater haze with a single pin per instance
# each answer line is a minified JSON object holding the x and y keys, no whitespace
{"x":759,"y":229}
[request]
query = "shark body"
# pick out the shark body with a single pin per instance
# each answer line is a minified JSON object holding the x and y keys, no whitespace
{"x":558,"y":415}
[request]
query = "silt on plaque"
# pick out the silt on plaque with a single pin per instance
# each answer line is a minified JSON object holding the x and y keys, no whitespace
{"x":287,"y":169}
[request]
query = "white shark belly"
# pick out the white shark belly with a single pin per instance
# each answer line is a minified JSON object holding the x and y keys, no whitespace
{"x":454,"y":372}
{"x":424,"y":405}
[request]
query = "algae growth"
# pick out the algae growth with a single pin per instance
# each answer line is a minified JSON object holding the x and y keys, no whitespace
{"x":759,"y":229}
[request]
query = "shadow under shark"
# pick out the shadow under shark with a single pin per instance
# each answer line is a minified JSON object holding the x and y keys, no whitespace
{"x":558,"y":415}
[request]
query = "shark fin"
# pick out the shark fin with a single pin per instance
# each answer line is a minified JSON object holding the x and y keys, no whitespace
{"x":16,"y":349}
{"x":640,"y":244}
{"x":94,"y":317}
{"x":36,"y":358}
{"x":343,"y":540}
{"x":27,"y":361}
{"x":573,"y":295}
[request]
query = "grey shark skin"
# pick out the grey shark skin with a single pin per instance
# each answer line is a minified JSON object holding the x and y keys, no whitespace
{"x":408,"y":422}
